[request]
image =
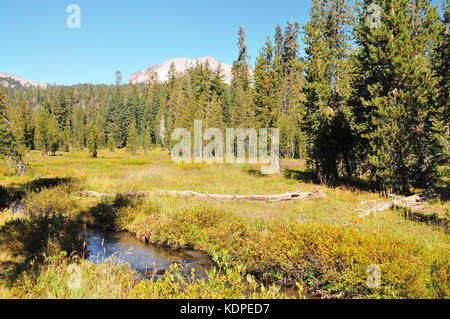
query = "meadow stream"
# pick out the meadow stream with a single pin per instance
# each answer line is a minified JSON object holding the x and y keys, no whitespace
{"x":148,"y":260}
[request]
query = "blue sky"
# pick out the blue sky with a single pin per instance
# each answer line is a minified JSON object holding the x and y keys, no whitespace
{"x":130,"y":35}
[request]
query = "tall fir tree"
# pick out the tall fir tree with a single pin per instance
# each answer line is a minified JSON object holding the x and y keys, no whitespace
{"x":392,"y":83}
{"x":266,"y":93}
{"x":92,"y":138}
{"x":440,"y":98}
{"x":9,"y":147}
{"x":328,"y":133}
{"x":42,"y":136}
{"x":242,"y":109}
{"x":132,"y":138}
{"x":23,"y":126}
{"x":147,"y":140}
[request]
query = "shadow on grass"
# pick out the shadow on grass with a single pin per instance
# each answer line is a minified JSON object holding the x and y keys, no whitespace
{"x":429,"y":218}
{"x":352,"y":183}
{"x":255,"y":172}
{"x":301,"y":175}
{"x":41,"y":183}
{"x":104,"y":215}
{"x":443,"y":193}
{"x":355,"y":183}
{"x":11,"y":195}
{"x":31,"y":239}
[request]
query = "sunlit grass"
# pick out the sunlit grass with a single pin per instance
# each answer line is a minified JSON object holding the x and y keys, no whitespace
{"x":175,"y":220}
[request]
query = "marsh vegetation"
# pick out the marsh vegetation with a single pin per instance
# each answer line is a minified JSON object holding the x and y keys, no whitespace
{"x":319,"y":246}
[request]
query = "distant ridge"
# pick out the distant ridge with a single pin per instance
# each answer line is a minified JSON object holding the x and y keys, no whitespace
{"x":22,"y":81}
{"x":181,"y":64}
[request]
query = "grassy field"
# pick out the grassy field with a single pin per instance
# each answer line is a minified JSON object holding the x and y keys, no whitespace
{"x":321,"y":246}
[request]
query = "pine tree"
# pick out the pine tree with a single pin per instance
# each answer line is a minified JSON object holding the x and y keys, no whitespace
{"x":92,"y":138}
{"x":266,"y":88}
{"x":23,"y":126}
{"x":288,"y":88}
{"x":78,"y":134}
{"x":54,"y":135}
{"x":67,"y":136}
{"x":9,"y":146}
{"x":60,"y":110}
{"x":43,"y":136}
{"x":161,"y":122}
{"x":440,"y":98}
{"x":242,"y":110}
{"x":111,"y":143}
{"x":151,"y":98}
{"x":392,"y":83}
{"x":327,"y":40}
{"x":114,"y":114}
{"x":214,"y":117}
{"x":133,"y":138}
{"x":118,"y":75}
{"x":147,"y":140}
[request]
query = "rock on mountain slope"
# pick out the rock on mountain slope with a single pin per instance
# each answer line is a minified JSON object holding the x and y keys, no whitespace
{"x":181,"y":64}
{"x":14,"y":78}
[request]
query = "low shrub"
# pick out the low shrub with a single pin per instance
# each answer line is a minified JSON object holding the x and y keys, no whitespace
{"x":61,"y":277}
{"x":332,"y":260}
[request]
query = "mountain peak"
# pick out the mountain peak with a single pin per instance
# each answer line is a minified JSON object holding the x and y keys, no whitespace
{"x":181,"y":65}
{"x":22,"y":81}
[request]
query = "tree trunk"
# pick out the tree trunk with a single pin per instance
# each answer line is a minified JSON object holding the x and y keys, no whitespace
{"x":20,"y":167}
{"x":315,"y":193}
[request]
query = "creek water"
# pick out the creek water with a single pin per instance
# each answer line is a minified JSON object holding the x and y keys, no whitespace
{"x":148,"y":260}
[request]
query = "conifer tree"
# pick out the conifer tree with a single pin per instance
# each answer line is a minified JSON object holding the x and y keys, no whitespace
{"x":132,"y":138}
{"x":111,"y":143}
{"x":242,"y":109}
{"x":42,"y":136}
{"x":147,"y":140}
{"x":92,"y":138}
{"x":392,"y":83}
{"x":78,"y":134}
{"x":288,"y":89}
{"x":440,"y":98}
{"x":151,"y":97}
{"x":266,"y":88}
{"x":67,"y":136}
{"x":115,"y":114}
{"x":214,"y":117}
{"x":161,"y":122}
{"x":327,"y":40}
{"x":60,"y":109}
{"x":23,"y":126}
{"x":9,"y":146}
{"x":54,"y":135}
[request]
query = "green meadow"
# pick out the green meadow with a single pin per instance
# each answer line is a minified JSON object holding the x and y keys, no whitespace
{"x":315,"y":247}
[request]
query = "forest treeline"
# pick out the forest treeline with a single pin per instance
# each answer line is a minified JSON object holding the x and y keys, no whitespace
{"x":362,"y":98}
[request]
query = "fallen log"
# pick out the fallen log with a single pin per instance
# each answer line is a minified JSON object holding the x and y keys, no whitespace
{"x":413,"y":207}
{"x":410,"y":202}
{"x":316,"y":192}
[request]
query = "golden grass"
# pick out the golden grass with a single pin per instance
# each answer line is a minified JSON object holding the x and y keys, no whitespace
{"x":120,"y":172}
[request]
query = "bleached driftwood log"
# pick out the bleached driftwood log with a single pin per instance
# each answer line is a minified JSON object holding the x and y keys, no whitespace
{"x":317,"y":192}
{"x":410,"y":202}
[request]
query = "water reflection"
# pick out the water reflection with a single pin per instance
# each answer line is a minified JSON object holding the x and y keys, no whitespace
{"x":144,"y":258}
